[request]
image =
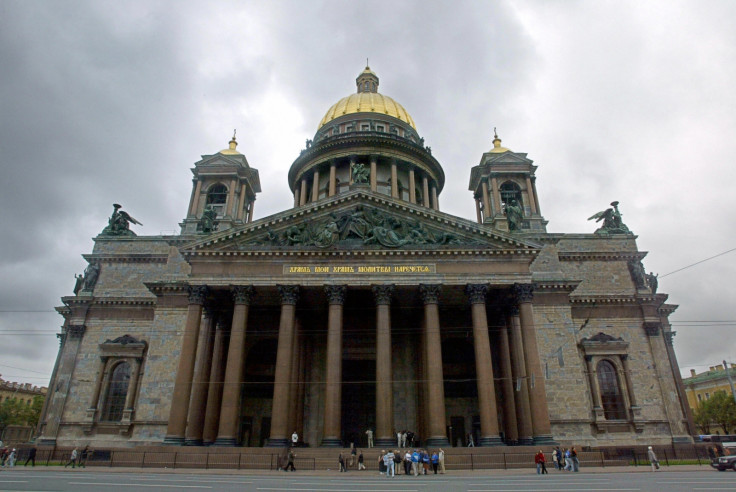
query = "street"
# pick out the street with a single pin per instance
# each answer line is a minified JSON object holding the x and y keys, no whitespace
{"x":521,"y":480}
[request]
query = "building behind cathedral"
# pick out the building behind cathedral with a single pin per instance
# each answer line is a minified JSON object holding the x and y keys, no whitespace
{"x":364,"y":306}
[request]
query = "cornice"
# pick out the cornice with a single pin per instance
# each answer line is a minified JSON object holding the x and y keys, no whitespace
{"x":596,"y":300}
{"x":163,"y":288}
{"x":601,"y":255}
{"x":125,"y":301}
{"x":126,"y":258}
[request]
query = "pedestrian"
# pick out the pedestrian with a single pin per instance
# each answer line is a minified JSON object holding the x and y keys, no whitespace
{"x":388,"y":461}
{"x":575,"y":461}
{"x":435,"y":459}
{"x":653,"y":459}
{"x":540,"y":461}
{"x":471,"y":444}
{"x":397,"y":462}
{"x":290,"y":463}
{"x":410,"y":438}
{"x":31,"y":457}
{"x":72,"y":459}
{"x":361,"y":465}
{"x":369,"y":434}
{"x":11,"y":458}
{"x":381,"y":463}
{"x":442,"y":461}
{"x":403,"y":439}
{"x":341,"y":461}
{"x":353,"y":455}
{"x":294,"y":439}
{"x":398,"y":438}
{"x":83,"y":457}
{"x":425,"y":461}
{"x":415,"y":459}
{"x":407,"y":463}
{"x":3,"y":456}
{"x":554,"y":459}
{"x":568,"y":460}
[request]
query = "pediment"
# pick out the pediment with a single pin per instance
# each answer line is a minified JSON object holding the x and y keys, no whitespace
{"x":359,"y":220}
{"x":219,"y":159}
{"x":507,"y":158}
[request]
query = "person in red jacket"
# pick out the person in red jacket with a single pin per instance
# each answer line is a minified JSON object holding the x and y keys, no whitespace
{"x":539,"y":460}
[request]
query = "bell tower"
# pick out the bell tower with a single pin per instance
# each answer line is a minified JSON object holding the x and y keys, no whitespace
{"x":504,"y":188}
{"x":224,"y":191}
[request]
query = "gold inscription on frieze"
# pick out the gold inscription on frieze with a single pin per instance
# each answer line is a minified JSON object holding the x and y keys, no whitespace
{"x":360,"y":269}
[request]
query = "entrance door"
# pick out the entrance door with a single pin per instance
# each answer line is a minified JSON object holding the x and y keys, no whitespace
{"x":265,"y":430}
{"x":458,"y":431}
{"x":358,"y":401}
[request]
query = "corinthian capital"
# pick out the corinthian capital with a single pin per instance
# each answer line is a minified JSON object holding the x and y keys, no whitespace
{"x":524,"y":292}
{"x":242,"y":293}
{"x":383,"y":293}
{"x":197,"y":294}
{"x":336,"y":293}
{"x":289,"y":293}
{"x":476,"y":293}
{"x":430,"y":293}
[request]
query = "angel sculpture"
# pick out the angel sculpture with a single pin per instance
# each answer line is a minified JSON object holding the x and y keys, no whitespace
{"x":612,"y":223}
{"x":119,"y":223}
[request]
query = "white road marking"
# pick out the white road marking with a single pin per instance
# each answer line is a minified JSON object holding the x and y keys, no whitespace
{"x":141,"y":485}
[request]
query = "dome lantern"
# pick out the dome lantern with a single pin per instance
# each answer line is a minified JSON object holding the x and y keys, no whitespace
{"x":367,"y":81}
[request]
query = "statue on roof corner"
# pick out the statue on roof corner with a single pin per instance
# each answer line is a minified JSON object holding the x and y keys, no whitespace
{"x":612,"y":223}
{"x":119,"y":223}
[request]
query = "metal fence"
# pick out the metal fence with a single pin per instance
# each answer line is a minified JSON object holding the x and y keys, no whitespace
{"x":211,"y":459}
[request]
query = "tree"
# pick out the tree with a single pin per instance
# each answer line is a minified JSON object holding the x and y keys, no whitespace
{"x":703,"y":417}
{"x":723,"y":410}
{"x":16,"y":412}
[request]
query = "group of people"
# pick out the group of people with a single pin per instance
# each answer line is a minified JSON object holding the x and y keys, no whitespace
{"x":418,"y":462}
{"x":355,"y":455}
{"x":562,"y":460}
{"x":8,"y":456}
{"x":78,"y":458}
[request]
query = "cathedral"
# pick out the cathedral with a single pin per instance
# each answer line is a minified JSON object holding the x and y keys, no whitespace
{"x":363,"y":306}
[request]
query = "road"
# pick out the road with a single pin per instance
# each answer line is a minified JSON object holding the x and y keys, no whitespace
{"x":43,"y":479}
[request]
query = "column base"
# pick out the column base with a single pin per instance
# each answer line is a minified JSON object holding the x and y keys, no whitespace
{"x":173,"y":441}
{"x":192,"y":442}
{"x":225,"y":441}
{"x":384,"y":441}
{"x":436,"y":441}
{"x":490,"y":441}
{"x":545,"y":440}
{"x":525,"y":441}
{"x":331,"y":442}
{"x":277,"y":442}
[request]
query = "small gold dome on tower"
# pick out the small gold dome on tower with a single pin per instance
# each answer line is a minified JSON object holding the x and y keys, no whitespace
{"x":497,"y":149}
{"x":232,"y":145}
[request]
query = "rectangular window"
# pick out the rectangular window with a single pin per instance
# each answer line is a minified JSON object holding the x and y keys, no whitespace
{"x":700,"y":397}
{"x":379,"y":128}
{"x":365,"y":128}
{"x":707,"y":396}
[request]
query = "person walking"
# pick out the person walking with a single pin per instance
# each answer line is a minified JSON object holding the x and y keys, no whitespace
{"x":471,"y":444}
{"x":435,"y":460}
{"x":575,"y":461}
{"x":369,"y":434}
{"x":361,"y":465}
{"x":381,"y":463}
{"x":11,"y":458}
{"x":539,"y":459}
{"x":442,"y":461}
{"x":425,"y":461}
{"x":353,"y":455}
{"x":72,"y":459}
{"x":31,"y":457}
{"x":554,"y":459}
{"x":341,"y":461}
{"x":653,"y":459}
{"x":290,"y":462}
{"x":568,"y":460}
{"x":83,"y":457}
{"x":397,"y":462}
{"x":407,"y":463}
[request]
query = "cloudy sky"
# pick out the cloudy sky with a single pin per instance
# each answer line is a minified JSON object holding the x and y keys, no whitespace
{"x":109,"y":101}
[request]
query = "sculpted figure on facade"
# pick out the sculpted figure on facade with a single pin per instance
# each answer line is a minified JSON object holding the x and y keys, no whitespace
{"x":91,"y":274}
{"x":638,"y":274}
{"x":119,"y":223}
{"x":208,"y":223}
{"x":360,"y":173}
{"x":78,"y":284}
{"x":612,"y":223}
{"x":514,"y":214}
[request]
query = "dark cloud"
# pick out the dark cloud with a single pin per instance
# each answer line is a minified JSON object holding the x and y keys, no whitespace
{"x":105,"y":102}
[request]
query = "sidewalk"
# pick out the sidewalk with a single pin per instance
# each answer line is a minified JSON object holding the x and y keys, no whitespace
{"x":366,"y":473}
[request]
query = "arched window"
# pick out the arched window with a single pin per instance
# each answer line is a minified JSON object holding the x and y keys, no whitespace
{"x":511,"y":191}
{"x":611,"y":397}
{"x":116,"y":393}
{"x":216,"y":198}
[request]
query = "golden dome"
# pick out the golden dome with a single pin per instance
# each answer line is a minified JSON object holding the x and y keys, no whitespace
{"x":367,"y":100}
{"x":231,"y":148}
{"x":497,"y":149}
